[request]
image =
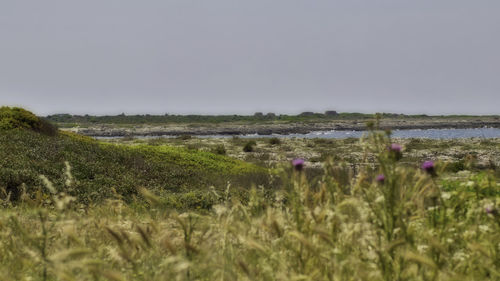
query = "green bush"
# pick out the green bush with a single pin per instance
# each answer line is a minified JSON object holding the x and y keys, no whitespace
{"x":249,"y":146}
{"x":456,"y":166}
{"x":219,"y":149}
{"x":100,"y":169}
{"x":274,"y":141}
{"x":184,"y":137}
{"x":14,"y":117}
{"x":18,"y":118}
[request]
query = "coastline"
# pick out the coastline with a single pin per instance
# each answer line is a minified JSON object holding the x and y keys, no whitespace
{"x":232,"y":129}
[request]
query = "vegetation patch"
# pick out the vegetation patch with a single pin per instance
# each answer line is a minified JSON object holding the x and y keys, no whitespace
{"x":103,"y":170}
{"x":18,"y":118}
{"x":389,"y":222}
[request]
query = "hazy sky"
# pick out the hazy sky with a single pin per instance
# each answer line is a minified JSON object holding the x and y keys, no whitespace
{"x":232,"y":56}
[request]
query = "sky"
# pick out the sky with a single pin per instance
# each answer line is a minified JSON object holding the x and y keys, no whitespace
{"x":240,"y":57}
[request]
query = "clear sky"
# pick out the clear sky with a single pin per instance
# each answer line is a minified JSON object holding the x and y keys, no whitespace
{"x":232,"y":56}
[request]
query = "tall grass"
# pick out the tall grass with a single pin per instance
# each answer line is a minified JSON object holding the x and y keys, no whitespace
{"x":347,"y":226}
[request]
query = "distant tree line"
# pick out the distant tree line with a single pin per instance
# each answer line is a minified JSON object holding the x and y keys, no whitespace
{"x":257,"y":117}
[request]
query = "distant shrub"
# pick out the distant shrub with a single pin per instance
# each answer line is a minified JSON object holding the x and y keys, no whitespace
{"x":154,"y":141}
{"x":249,"y":146}
{"x":307,"y":113}
{"x":271,"y":115}
{"x":128,"y":138}
{"x":456,"y":166}
{"x":258,"y":158}
{"x":18,"y":118}
{"x":274,"y":141}
{"x":47,"y":128}
{"x":415,"y":144}
{"x":236,"y":140}
{"x":219,"y":149}
{"x":193,"y":146}
{"x":319,"y":141}
{"x":184,"y":137}
{"x":12,"y":118}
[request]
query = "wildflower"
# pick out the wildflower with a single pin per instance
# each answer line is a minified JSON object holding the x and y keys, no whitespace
{"x":298,"y":164}
{"x":395,"y":147}
{"x":395,"y":151}
{"x":429,"y":167}
{"x":380,"y":178}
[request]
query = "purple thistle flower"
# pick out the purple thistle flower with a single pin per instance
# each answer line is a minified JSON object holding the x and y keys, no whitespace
{"x":395,"y":151}
{"x":395,"y":147}
{"x":380,"y":178}
{"x":428,"y":166}
{"x":298,"y":164}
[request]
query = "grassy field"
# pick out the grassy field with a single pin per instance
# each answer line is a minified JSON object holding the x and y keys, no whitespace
{"x":100,"y":170}
{"x":145,"y":210}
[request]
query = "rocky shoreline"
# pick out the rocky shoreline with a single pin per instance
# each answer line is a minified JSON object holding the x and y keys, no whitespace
{"x":272,"y":128}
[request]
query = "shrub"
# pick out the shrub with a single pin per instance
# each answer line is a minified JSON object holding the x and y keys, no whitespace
{"x":249,"y":146}
{"x":184,"y":137}
{"x":18,"y":118}
{"x":15,"y":117}
{"x":456,"y":166}
{"x":101,"y":170}
{"x":274,"y":141}
{"x":219,"y":149}
{"x":193,"y":146}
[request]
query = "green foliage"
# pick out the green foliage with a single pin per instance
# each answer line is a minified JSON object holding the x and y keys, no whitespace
{"x":100,"y":170}
{"x":249,"y":146}
{"x":274,"y":141}
{"x":191,"y":200}
{"x":18,"y":118}
{"x":338,"y":223}
{"x":184,"y":137}
{"x":215,"y":119}
{"x":15,"y":117}
{"x":219,"y":149}
{"x":456,"y":166}
{"x":343,"y":226}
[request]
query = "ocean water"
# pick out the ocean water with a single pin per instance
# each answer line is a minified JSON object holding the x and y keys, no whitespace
{"x":427,"y":133}
{"x":420,"y":133}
